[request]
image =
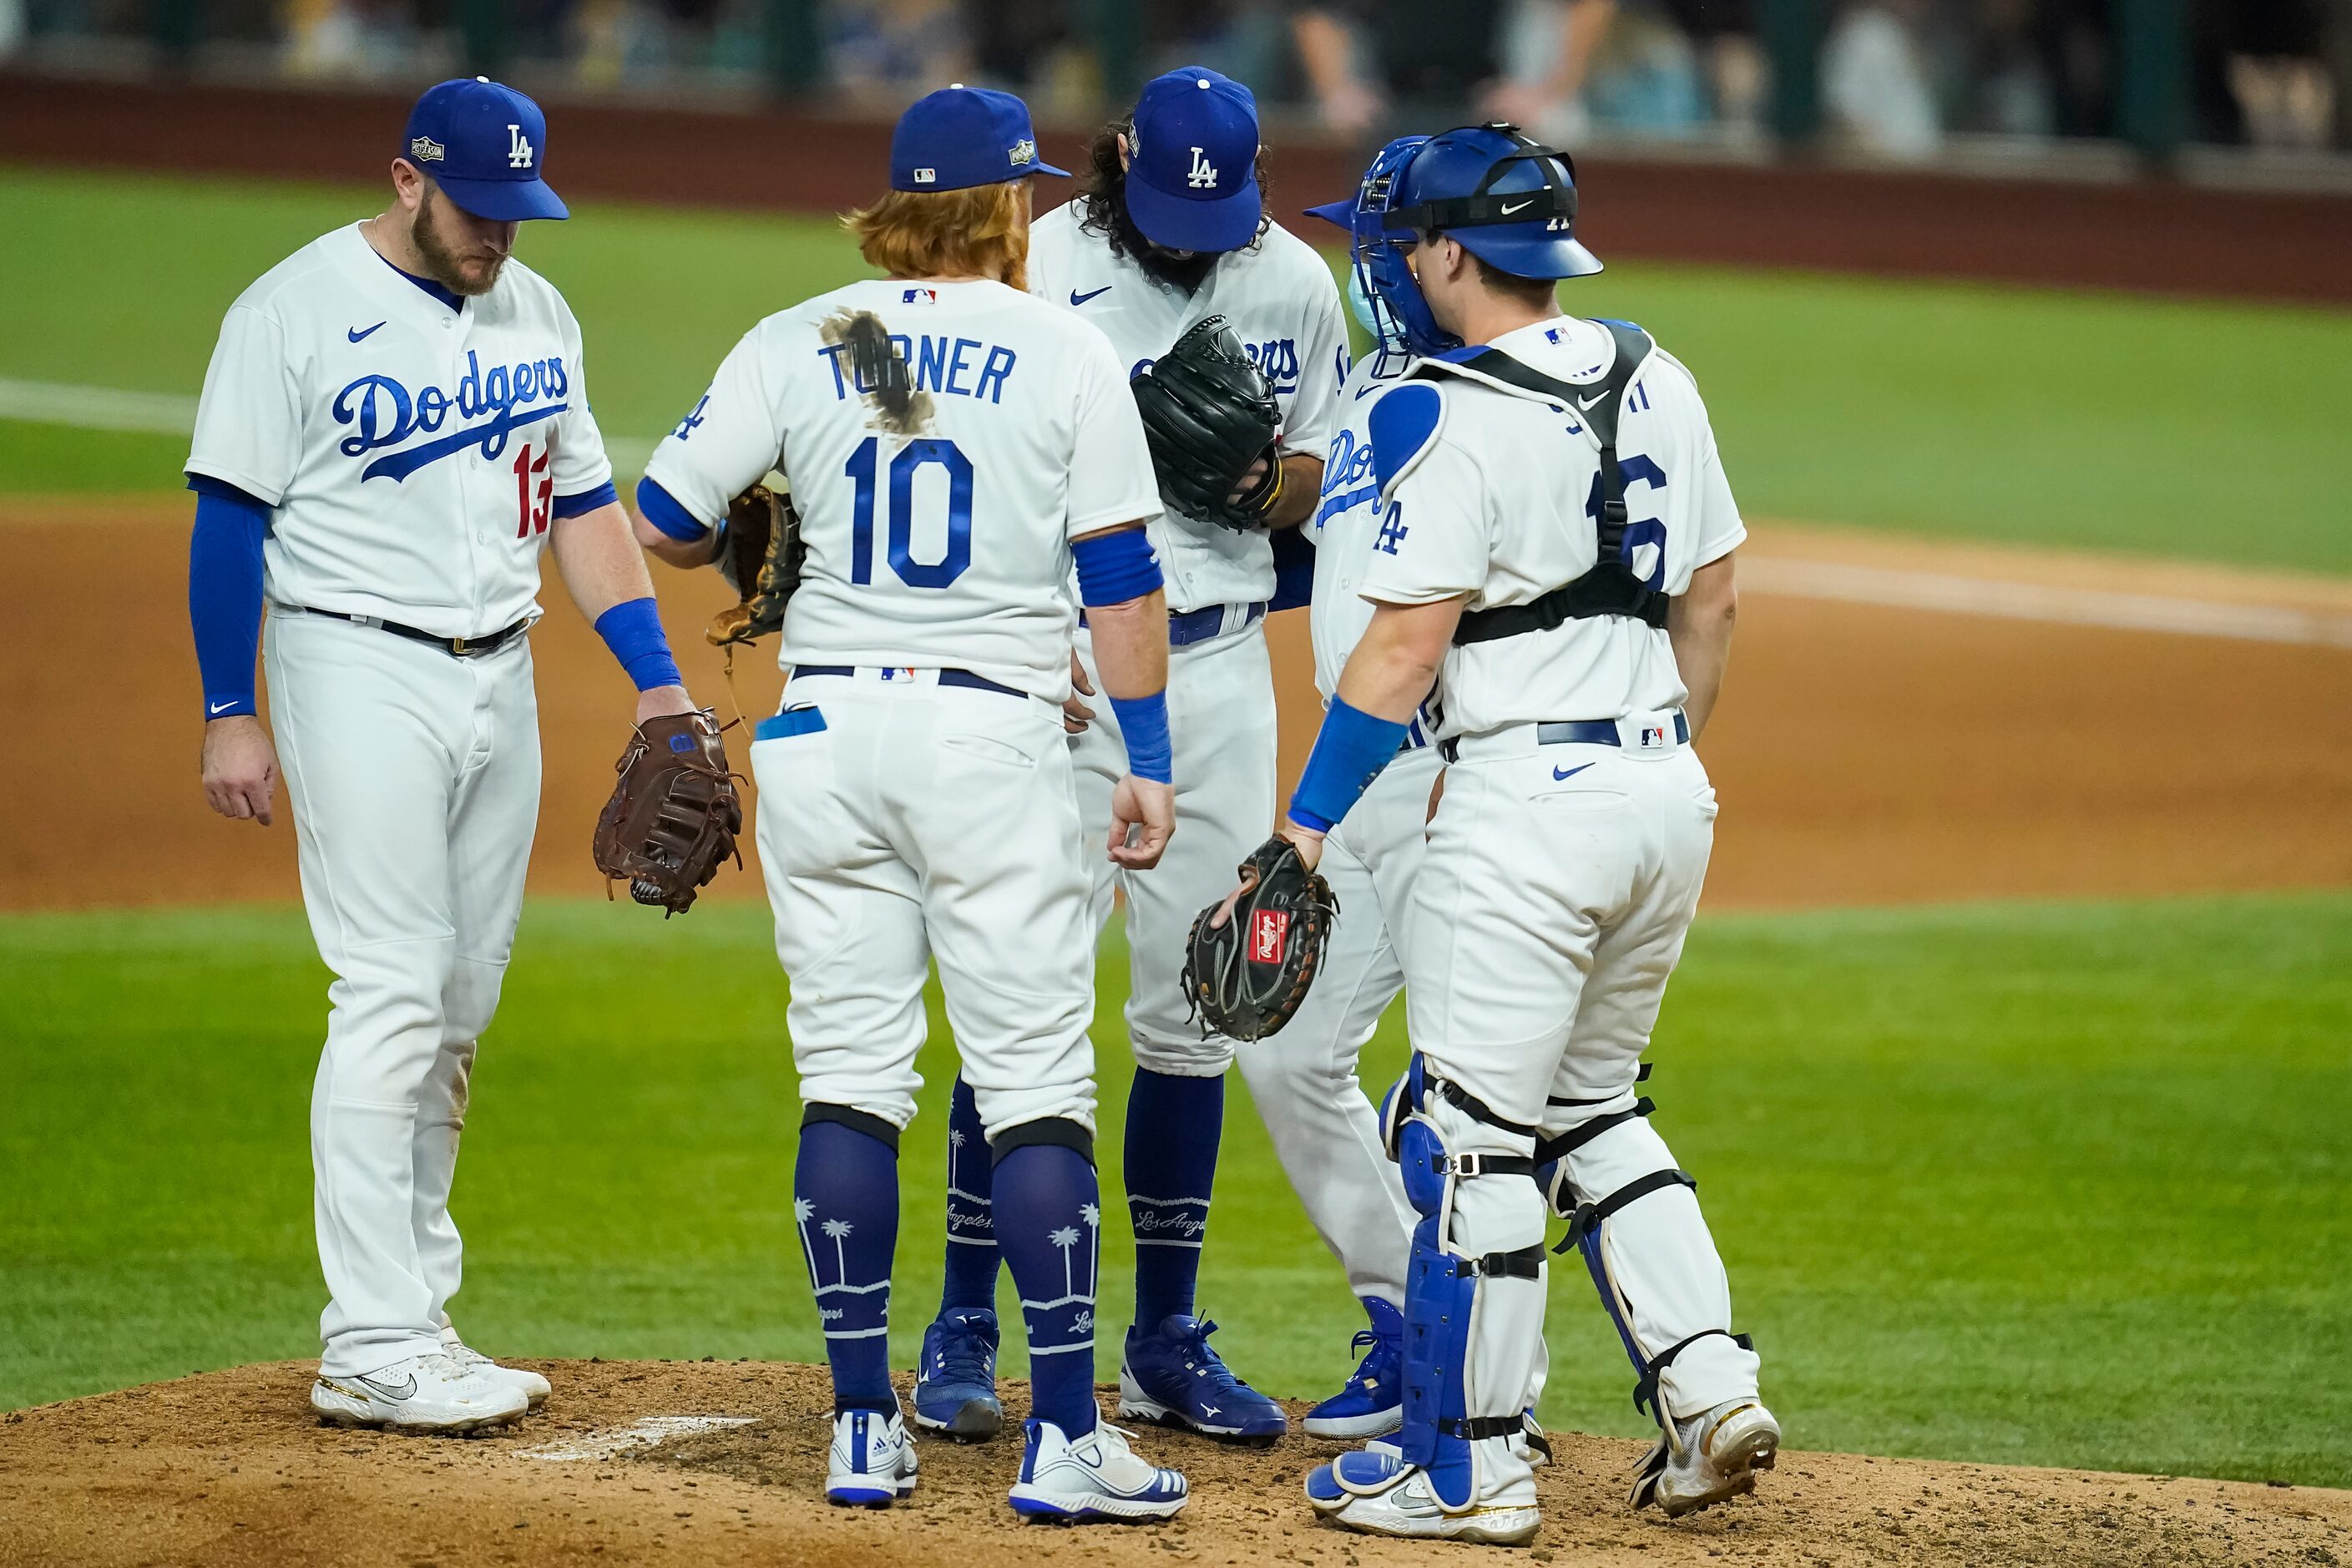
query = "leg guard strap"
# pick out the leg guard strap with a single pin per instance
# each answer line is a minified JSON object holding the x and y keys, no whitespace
{"x":1490,"y":1165}
{"x":1645,"y":1391}
{"x":1479,"y":1426}
{"x":1549,"y":1149}
{"x":1527,"y":1263}
{"x":1588,"y":1216}
{"x":1470,"y":1105}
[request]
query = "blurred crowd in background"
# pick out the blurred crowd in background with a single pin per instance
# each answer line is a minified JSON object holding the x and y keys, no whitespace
{"x":1898,"y":79}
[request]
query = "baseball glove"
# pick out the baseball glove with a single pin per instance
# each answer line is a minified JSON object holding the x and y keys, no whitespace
{"x":1209,"y":415}
{"x":759,"y":555}
{"x":1245,"y":978}
{"x":675,"y":814}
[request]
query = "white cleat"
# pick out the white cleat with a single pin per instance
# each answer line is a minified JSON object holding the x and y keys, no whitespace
{"x":1707,"y":1458}
{"x":1098,"y":1476}
{"x":433,"y":1393}
{"x":534,"y":1387}
{"x":872,"y":1463}
{"x":1408,"y":1508}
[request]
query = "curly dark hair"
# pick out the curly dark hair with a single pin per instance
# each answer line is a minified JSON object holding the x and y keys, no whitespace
{"x":1102,"y":203}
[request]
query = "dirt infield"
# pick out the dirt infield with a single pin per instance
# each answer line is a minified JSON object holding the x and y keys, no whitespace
{"x":229,"y":1469}
{"x":1865,"y":753}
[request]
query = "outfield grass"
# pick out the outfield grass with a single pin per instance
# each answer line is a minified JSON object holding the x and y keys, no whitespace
{"x":2161,"y":427}
{"x":2044,"y":1183}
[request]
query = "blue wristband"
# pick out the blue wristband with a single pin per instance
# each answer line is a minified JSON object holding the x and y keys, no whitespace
{"x":1114,"y":568}
{"x":1144,"y":722}
{"x":633,"y":630}
{"x":1349,"y":752}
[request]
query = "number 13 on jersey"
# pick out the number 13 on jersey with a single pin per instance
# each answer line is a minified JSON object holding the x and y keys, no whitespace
{"x":894,"y":493}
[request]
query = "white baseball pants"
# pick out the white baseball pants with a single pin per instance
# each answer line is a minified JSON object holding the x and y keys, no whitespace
{"x":1559,"y":883}
{"x":414,"y":778}
{"x":924,"y":821}
{"x":1221,"y":728}
{"x":1325,"y":1130}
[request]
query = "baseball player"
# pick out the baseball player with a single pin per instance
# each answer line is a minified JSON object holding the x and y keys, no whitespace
{"x":1556,"y":552}
{"x":1170,"y":228}
{"x":394,"y":427}
{"x":956,"y":448}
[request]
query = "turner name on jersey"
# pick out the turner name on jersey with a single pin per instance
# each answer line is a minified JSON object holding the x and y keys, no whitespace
{"x":414,"y":453}
{"x":944,"y":443}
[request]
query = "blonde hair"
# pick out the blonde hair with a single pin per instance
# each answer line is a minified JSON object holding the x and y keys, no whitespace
{"x":981,"y":231}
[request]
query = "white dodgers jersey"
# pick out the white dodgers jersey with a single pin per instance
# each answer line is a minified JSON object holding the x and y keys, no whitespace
{"x":414,"y":454}
{"x":1500,"y":502}
{"x":1345,"y":526}
{"x":1284,"y":307}
{"x":945,"y":442}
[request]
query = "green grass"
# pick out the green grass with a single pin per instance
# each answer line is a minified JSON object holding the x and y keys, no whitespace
{"x":2049,"y":1184}
{"x":2154,"y":426}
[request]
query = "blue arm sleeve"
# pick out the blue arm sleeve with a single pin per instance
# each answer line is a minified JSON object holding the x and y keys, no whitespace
{"x":1143,"y":720}
{"x":1294,"y":569}
{"x":586,"y":501}
{"x":1114,"y":568}
{"x":1350,"y":750}
{"x":224,"y":592}
{"x":633,"y":630}
{"x":667,"y":512}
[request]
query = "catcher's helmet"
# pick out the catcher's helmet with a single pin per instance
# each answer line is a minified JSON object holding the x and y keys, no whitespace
{"x":1509,"y":199}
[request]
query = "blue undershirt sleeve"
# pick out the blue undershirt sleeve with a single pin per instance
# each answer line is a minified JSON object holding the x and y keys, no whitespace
{"x":667,"y":512}
{"x":586,"y":501}
{"x":224,"y":592}
{"x":1294,"y":569}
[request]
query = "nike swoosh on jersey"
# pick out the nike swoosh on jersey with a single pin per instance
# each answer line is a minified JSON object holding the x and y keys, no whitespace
{"x":1569,"y":773}
{"x":355,"y":333}
{"x":1079,"y":299}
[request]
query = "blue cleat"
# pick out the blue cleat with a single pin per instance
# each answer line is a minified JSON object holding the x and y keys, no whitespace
{"x":1098,"y":1477}
{"x":1372,"y":1403}
{"x":955,"y":1382}
{"x":1170,"y":1376}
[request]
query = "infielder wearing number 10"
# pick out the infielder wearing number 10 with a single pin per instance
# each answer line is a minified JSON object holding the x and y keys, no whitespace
{"x":955,"y":448}
{"x":394,"y":425}
{"x":1556,"y":557}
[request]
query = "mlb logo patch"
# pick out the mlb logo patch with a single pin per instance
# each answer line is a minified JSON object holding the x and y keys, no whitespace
{"x":1653,"y":736}
{"x":927,"y":176}
{"x":919,"y":297}
{"x":1269,"y":935}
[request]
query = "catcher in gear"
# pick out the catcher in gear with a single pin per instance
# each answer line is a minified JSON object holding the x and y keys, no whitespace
{"x":675,"y":814}
{"x":1253,"y":955}
{"x":1212,"y":420}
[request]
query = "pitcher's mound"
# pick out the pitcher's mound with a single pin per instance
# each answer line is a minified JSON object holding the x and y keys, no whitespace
{"x":701,"y":1462}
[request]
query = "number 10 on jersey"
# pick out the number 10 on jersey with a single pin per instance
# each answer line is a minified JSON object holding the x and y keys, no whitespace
{"x":897,"y":499}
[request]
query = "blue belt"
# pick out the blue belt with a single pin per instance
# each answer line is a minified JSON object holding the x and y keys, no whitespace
{"x":947,"y":677}
{"x":1186,"y":628}
{"x":1584,"y":732}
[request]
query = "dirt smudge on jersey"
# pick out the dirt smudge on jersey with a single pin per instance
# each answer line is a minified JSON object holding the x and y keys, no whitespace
{"x":883,"y":379}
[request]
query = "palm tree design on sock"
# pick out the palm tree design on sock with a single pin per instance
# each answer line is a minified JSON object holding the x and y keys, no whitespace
{"x":1066,"y":1238}
{"x":802,"y":1210}
{"x":839,"y":1230}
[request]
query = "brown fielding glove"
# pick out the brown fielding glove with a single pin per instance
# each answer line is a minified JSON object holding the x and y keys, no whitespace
{"x":1208,"y":416}
{"x":1245,"y":978}
{"x":759,"y":555}
{"x":675,"y":814}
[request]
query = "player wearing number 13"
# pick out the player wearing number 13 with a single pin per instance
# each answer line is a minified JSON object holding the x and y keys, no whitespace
{"x":955,"y":449}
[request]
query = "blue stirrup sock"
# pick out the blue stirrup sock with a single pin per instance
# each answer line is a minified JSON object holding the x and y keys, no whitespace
{"x":969,"y":1276}
{"x":1049,"y":1225}
{"x":846,"y":1207}
{"x":1173,"y":1127}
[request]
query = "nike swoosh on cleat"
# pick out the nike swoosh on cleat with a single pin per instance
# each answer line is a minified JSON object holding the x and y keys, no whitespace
{"x":1568,"y":772}
{"x":386,"y":1391}
{"x":355,"y":333}
{"x":1079,"y":299}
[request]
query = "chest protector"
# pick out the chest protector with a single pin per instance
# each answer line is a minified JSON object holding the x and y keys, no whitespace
{"x":1610,"y":588}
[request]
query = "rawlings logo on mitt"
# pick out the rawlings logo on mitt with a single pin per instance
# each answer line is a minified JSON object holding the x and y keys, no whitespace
{"x":759,"y":555}
{"x":1209,"y":415}
{"x":673,"y":816}
{"x":1245,"y":978}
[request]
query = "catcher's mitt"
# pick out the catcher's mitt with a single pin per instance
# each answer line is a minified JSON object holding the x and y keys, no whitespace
{"x":1209,"y":415}
{"x":675,"y":814}
{"x":1246,"y":977}
{"x":759,"y":555}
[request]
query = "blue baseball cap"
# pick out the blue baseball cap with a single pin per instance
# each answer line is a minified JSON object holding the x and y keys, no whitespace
{"x":1192,"y":174}
{"x":484,"y":144}
{"x":962,"y":136}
